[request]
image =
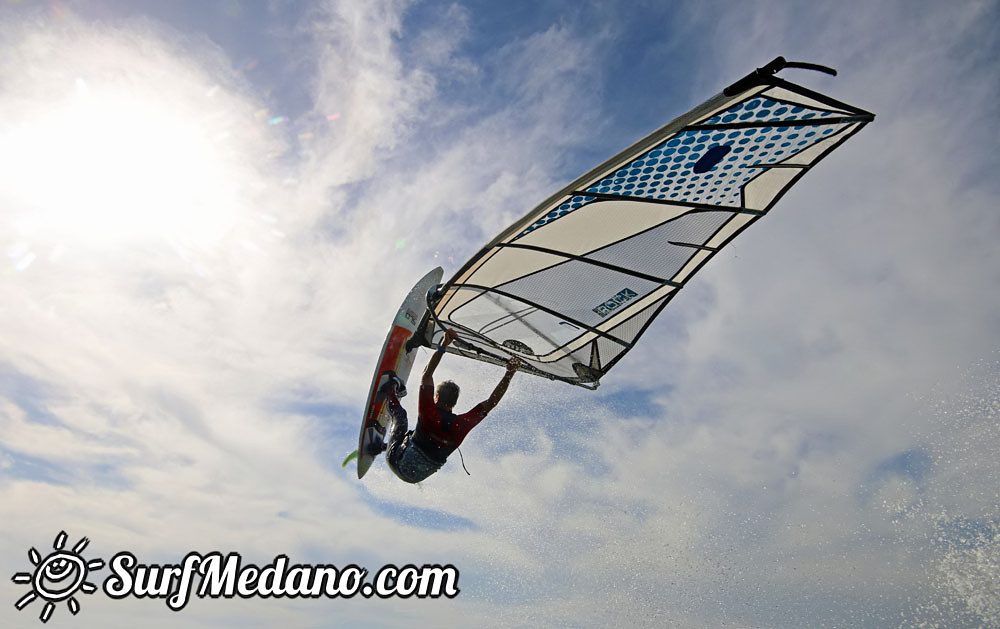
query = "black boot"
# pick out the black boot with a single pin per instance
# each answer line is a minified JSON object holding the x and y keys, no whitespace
{"x":375,"y":447}
{"x":375,"y":442}
{"x":390,"y":381}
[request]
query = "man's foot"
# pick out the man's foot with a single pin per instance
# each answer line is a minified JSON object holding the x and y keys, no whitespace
{"x":375,"y":445}
{"x":375,"y":448}
{"x":388,"y":382}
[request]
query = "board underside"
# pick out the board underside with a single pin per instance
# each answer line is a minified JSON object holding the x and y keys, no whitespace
{"x":394,"y":357}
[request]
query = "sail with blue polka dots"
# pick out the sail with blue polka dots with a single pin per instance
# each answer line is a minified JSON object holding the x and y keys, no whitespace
{"x":571,"y":287}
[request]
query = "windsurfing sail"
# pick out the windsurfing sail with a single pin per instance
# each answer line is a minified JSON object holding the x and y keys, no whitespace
{"x":571,"y":287}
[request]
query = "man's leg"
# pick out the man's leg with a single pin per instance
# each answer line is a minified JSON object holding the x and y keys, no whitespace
{"x":399,"y":428}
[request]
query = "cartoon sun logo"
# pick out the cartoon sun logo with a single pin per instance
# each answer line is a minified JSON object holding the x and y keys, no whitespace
{"x":58,"y":577}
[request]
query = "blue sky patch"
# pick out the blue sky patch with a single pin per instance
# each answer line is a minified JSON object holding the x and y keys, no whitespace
{"x":418,"y":517}
{"x":29,"y":394}
{"x":23,"y":466}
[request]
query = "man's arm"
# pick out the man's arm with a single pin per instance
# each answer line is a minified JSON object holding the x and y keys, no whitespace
{"x":428,"y":378}
{"x":501,"y":387}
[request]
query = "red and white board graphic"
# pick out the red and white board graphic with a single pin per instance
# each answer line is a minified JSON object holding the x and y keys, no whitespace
{"x":394,"y":357}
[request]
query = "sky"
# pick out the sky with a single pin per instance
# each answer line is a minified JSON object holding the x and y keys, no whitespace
{"x":209,"y":213}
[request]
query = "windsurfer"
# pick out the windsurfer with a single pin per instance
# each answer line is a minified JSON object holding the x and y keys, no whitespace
{"x":413,"y":455}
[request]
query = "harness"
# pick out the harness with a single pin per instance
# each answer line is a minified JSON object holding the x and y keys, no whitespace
{"x":433,"y":446}
{"x":447,"y":421}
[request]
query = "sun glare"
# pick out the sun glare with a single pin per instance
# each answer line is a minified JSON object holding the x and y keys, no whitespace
{"x":105,"y":166}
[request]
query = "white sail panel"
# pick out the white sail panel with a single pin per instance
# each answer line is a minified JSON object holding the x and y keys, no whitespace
{"x":572,"y":286}
{"x":576,"y":234}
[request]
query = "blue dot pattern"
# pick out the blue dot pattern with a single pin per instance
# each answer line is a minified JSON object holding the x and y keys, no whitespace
{"x":562,"y":210}
{"x":667,"y":171}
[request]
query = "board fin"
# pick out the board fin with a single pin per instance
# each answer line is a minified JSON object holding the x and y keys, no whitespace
{"x":350,"y":457}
